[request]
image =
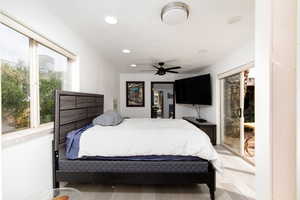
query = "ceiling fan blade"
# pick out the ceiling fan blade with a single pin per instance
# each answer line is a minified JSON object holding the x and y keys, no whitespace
{"x":143,"y":65}
{"x":173,"y":72}
{"x":170,"y":61}
{"x":171,"y":68}
{"x":155,"y":66}
{"x":150,"y":70}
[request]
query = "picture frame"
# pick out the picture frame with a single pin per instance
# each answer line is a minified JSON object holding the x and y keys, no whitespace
{"x":135,"y":94}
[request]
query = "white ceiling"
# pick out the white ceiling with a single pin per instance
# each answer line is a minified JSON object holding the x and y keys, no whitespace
{"x":140,"y":29}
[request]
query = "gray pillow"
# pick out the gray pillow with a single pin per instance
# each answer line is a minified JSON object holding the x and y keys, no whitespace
{"x":109,"y":118}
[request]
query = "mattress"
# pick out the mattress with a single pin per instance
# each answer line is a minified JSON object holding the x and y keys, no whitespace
{"x":144,"y":137}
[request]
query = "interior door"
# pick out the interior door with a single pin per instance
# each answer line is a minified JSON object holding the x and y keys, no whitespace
{"x":162,"y":100}
{"x":232,"y":112}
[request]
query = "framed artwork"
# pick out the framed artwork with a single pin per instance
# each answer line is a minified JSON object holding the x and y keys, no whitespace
{"x":135,"y":93}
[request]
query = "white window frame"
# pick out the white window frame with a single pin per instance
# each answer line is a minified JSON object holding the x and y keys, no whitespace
{"x":35,"y":39}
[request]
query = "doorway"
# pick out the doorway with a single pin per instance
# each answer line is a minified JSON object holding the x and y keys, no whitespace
{"x":238,"y":112}
{"x":162,"y":100}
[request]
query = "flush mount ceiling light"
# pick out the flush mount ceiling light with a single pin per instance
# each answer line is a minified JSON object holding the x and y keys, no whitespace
{"x":133,"y":65}
{"x":111,"y":20}
{"x":126,"y":51}
{"x":175,"y":13}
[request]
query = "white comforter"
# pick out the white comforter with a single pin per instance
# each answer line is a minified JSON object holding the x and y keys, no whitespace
{"x":148,"y":137}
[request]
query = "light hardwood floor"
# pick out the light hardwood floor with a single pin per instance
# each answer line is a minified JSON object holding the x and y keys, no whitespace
{"x":236,"y":183}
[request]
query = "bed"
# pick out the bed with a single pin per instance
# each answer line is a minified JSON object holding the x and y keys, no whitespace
{"x":75,"y":110}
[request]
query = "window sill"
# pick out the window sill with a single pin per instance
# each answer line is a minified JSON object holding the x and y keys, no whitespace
{"x":22,"y":136}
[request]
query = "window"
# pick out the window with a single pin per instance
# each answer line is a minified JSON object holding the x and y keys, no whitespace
{"x":30,"y":72}
{"x":53,"y":74}
{"x":14,"y":54}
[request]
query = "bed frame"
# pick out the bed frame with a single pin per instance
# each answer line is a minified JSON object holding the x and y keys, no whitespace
{"x":74,"y":110}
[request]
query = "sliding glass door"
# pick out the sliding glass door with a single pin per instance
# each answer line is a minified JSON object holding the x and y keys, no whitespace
{"x":237,"y":113}
{"x":232,"y":112}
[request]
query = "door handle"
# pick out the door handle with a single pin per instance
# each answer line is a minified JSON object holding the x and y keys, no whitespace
{"x":240,"y":112}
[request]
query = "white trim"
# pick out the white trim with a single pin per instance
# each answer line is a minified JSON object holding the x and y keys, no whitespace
{"x":263,"y":99}
{"x":236,"y":70}
{"x":29,"y":32}
{"x":36,"y":70}
{"x":21,"y":136}
{"x":220,"y":116}
{"x":298,"y":105}
{"x":34,"y":89}
{"x":75,"y":74}
{"x":242,"y":119}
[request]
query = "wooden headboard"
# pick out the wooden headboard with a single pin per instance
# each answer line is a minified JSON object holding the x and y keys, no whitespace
{"x":74,"y":110}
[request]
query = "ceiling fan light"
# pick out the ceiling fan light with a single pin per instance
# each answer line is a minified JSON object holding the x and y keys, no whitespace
{"x":126,"y":51}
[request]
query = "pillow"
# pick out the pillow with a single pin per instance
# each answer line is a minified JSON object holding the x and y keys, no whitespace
{"x":109,"y":118}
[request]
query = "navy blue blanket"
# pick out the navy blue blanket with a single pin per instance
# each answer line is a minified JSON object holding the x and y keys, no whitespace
{"x":73,"y":141}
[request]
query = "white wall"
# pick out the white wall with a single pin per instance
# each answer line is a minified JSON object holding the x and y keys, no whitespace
{"x":27,"y":166}
{"x":284,"y":42}
{"x":241,"y":56}
{"x":145,"y":112}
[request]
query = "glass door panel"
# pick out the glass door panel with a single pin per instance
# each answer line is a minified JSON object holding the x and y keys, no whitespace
{"x":249,"y":115}
{"x":162,"y":100}
{"x":231,"y":123}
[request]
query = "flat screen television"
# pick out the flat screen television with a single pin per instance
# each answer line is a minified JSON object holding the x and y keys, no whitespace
{"x":194,"y":90}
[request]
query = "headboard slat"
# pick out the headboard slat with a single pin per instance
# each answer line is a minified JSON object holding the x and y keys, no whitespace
{"x":72,"y":115}
{"x":67,"y":102}
{"x":74,"y":110}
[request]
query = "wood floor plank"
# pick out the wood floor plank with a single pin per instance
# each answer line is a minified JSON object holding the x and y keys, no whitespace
{"x":148,"y":193}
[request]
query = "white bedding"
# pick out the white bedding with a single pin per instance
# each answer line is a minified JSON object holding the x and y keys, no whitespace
{"x":148,"y":137}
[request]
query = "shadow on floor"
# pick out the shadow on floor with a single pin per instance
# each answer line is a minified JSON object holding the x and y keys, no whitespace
{"x":240,"y":171}
{"x":226,"y":153}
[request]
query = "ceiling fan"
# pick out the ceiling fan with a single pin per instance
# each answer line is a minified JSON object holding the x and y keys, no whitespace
{"x":162,"y":70}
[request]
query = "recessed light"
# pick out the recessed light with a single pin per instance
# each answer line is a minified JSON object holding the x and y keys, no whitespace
{"x":126,"y":51}
{"x":234,"y":19}
{"x":111,"y":20}
{"x":133,"y":65}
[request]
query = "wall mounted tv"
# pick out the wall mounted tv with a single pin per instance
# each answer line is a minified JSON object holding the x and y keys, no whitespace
{"x":194,"y":90}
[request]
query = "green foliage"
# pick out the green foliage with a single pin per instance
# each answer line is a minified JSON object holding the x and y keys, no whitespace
{"x":47,"y":87}
{"x":15,"y":95}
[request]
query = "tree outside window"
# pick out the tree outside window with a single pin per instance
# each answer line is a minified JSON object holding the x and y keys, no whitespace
{"x":15,"y":80}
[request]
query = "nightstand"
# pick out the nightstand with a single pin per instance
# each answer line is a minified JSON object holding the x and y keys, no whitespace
{"x":209,"y":128}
